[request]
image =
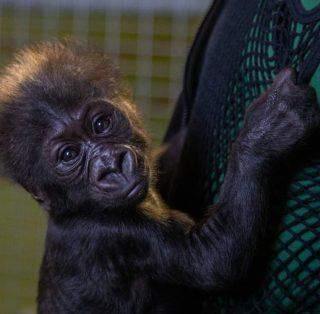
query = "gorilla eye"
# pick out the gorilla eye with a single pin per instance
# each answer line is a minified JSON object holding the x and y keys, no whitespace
{"x":101,"y":124}
{"x":68,"y":154}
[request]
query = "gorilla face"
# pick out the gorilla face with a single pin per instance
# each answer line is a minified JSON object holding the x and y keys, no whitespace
{"x":96,"y":157}
{"x":69,"y":133}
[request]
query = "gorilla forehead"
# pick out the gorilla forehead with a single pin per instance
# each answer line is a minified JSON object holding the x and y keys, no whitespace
{"x":61,"y":74}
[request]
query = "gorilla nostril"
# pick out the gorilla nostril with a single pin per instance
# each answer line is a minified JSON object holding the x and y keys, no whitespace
{"x":121,"y":158}
{"x":103,"y":174}
{"x":128,"y":162}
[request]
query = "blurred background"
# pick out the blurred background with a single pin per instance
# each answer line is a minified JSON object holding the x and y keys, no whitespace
{"x":148,"y":39}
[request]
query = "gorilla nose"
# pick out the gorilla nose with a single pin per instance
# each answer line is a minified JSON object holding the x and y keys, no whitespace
{"x":112,"y":169}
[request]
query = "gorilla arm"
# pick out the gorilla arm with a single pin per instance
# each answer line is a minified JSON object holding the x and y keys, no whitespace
{"x":220,"y":252}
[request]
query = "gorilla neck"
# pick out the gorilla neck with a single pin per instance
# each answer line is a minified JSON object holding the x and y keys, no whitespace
{"x":154,"y":208}
{"x":151,"y":208}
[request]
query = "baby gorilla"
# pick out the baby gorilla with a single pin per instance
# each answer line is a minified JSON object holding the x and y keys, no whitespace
{"x":71,"y":136}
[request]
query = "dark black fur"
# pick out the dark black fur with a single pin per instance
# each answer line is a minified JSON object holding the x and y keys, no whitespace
{"x":112,"y":252}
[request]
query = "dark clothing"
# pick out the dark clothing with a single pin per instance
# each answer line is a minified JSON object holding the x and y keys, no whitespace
{"x":240,"y":46}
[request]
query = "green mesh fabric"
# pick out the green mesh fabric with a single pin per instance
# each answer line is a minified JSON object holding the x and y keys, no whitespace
{"x":292,"y":284}
{"x":310,"y":4}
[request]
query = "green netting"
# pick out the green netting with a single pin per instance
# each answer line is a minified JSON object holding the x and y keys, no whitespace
{"x":292,"y":284}
{"x":310,"y":4}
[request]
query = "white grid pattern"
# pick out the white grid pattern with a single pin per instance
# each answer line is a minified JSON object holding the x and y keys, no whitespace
{"x":113,"y":33}
{"x":21,"y":22}
{"x":147,"y":91}
{"x":178,"y":47}
{"x":176,"y":6}
{"x":50,"y":24}
{"x":81,"y":21}
{"x":144,"y":63}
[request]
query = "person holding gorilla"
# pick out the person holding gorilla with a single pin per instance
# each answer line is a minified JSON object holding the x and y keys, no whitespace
{"x":72,"y":137}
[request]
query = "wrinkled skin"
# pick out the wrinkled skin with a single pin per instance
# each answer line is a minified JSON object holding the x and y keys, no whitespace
{"x":96,"y":141}
{"x":70,"y":135}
